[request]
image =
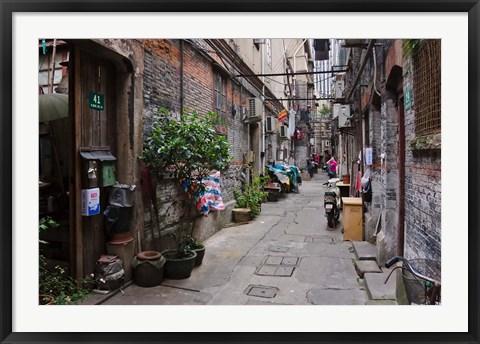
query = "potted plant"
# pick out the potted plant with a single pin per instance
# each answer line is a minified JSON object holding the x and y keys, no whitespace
{"x":197,"y":247}
{"x":249,"y":201}
{"x":187,"y":149}
{"x":180,"y":261}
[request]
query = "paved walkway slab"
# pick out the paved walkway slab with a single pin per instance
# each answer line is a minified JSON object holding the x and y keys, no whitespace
{"x":365,"y":266}
{"x":364,"y":250}
{"x":337,"y":297}
{"x":376,"y":287}
{"x":381,"y":303}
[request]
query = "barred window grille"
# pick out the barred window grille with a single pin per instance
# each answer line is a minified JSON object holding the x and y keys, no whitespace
{"x":426,"y":86}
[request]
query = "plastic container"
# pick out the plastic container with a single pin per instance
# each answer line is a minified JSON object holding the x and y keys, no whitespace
{"x":122,"y":195}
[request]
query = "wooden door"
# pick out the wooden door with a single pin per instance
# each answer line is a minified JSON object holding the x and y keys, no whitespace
{"x":94,"y":129}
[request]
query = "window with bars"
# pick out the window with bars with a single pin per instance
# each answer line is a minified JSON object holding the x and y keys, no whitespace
{"x":426,"y":87}
{"x":220,"y":95}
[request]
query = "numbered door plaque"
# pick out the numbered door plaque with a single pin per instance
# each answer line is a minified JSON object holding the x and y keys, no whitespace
{"x":96,"y":101}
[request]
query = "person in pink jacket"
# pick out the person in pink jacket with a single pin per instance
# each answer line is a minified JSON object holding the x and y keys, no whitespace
{"x":333,"y":167}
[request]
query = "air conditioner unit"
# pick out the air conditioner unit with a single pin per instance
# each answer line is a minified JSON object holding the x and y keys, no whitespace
{"x":269,"y":124}
{"x":259,"y":40}
{"x":336,"y":110}
{"x":255,"y":110}
{"x":283,"y":131}
{"x":344,"y":116}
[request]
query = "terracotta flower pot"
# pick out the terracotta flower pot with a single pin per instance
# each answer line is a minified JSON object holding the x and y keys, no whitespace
{"x":44,"y":299}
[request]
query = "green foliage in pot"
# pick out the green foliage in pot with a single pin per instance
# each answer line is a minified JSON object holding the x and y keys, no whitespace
{"x":191,"y":242}
{"x":253,"y":194}
{"x":185,"y":244}
{"x":56,"y":282}
{"x":187,"y":149}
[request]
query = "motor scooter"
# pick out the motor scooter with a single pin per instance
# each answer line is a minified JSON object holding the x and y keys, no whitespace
{"x":331,"y":202}
{"x":310,"y":168}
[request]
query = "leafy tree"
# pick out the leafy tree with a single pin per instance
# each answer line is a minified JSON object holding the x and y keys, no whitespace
{"x":325,"y":111}
{"x":187,"y":149}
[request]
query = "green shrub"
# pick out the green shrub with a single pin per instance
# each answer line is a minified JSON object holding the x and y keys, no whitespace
{"x":187,"y":149}
{"x":56,"y":281}
{"x":253,"y":195}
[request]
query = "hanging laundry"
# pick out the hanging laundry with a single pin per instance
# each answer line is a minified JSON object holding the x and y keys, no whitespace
{"x":210,"y":198}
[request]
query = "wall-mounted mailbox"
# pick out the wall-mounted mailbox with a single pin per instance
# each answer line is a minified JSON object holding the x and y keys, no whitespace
{"x":106,"y":167}
{"x":90,"y":202}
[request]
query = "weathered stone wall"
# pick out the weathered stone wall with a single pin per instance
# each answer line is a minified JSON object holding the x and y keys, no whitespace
{"x":161,"y":77}
{"x":162,"y":85}
{"x":374,"y":207}
{"x":423,"y":190}
{"x":422,"y":184}
{"x":387,"y":238}
{"x":167,"y":214}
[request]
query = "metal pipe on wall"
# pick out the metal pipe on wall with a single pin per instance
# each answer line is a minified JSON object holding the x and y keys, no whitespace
{"x":362,"y":67}
{"x":261,"y":160}
{"x":50,"y":83}
{"x":181,"y":74}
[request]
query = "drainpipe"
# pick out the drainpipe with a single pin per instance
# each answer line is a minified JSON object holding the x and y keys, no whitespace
{"x":362,"y":66}
{"x":181,"y":75}
{"x":50,"y":84}
{"x":295,"y":83}
{"x":295,"y":65}
{"x":261,"y":168}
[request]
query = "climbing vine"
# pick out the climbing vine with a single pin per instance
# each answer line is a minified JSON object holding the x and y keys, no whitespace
{"x":410,"y":46}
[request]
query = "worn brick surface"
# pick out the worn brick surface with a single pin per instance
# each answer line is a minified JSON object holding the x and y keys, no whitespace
{"x":162,"y":84}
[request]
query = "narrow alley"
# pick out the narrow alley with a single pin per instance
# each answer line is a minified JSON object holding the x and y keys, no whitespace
{"x":217,"y":126}
{"x":287,"y":255}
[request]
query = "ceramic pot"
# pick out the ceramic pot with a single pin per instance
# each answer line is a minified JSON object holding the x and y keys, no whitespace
{"x":178,"y":268}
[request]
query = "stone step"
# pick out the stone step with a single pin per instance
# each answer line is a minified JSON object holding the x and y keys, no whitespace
{"x":381,"y":303}
{"x":366,"y":266}
{"x":376,"y":287}
{"x":364,"y":250}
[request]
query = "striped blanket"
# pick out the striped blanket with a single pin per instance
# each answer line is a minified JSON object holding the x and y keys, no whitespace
{"x":211,"y":197}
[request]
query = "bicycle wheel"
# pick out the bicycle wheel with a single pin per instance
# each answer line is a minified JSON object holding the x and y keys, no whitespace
{"x":416,"y":287}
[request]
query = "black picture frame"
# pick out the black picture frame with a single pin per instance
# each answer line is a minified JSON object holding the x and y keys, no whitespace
{"x":9,"y":7}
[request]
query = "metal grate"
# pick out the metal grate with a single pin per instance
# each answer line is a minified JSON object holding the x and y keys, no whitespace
{"x":426,"y":85}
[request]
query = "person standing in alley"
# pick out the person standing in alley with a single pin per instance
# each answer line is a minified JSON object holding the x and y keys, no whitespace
{"x":332,"y":164}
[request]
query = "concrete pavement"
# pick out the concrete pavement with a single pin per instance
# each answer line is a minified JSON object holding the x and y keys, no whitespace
{"x":286,"y":256}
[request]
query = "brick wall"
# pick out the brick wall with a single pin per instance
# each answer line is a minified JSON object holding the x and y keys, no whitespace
{"x":162,"y":80}
{"x":423,"y":191}
{"x":374,"y":207}
{"x":422,"y":185}
{"x":388,"y":184}
{"x":197,"y":81}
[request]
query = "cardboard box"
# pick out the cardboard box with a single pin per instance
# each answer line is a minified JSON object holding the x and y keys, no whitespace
{"x":90,"y":202}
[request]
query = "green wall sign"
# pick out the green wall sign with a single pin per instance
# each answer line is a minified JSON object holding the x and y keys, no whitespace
{"x":407,"y":100}
{"x":96,"y":101}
